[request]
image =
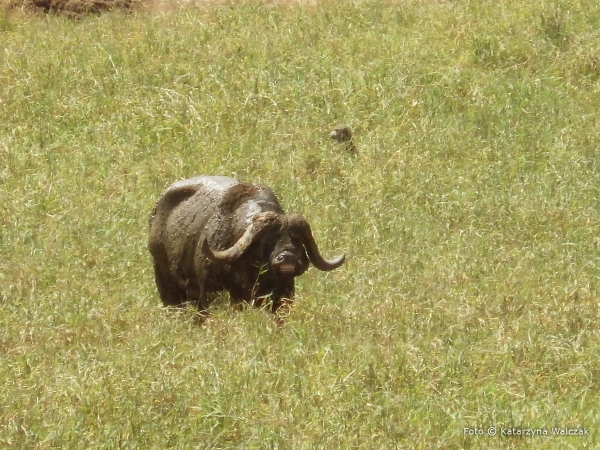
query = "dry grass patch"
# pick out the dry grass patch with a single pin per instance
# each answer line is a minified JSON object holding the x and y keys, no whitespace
{"x":78,"y":8}
{"x":469,"y":217}
{"x":75,"y":7}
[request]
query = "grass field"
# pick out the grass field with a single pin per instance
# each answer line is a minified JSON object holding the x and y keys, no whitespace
{"x":470,"y":218}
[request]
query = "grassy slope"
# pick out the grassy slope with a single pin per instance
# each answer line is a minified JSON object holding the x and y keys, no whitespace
{"x":470,"y":220}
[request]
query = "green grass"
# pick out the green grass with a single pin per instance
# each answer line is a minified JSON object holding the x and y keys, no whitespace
{"x":470,"y":219}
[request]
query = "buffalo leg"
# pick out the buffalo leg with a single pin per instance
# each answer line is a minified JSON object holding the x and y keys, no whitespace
{"x":202,"y":300}
{"x":237,"y":298}
{"x":282,"y":297}
{"x":170,"y":292}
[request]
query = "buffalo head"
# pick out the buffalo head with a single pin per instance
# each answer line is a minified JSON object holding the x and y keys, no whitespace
{"x":284,"y":240}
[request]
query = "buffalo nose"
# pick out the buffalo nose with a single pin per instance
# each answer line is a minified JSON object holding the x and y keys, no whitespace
{"x":286,"y":262}
{"x":285,"y":257}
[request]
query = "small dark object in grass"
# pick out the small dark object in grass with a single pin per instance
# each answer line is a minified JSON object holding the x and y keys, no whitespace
{"x":343,"y":135}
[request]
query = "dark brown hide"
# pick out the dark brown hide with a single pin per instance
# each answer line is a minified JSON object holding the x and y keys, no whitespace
{"x":209,"y":234}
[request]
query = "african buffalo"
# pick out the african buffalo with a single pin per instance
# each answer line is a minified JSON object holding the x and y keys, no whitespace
{"x":214,"y":233}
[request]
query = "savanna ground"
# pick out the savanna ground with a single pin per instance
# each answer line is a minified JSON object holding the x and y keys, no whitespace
{"x":470,"y":219}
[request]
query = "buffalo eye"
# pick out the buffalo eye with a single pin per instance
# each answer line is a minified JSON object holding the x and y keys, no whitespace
{"x":265,"y":247}
{"x":297,"y":241}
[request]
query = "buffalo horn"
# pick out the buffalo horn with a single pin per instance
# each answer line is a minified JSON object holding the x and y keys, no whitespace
{"x":312,"y":250}
{"x":260,"y":223}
